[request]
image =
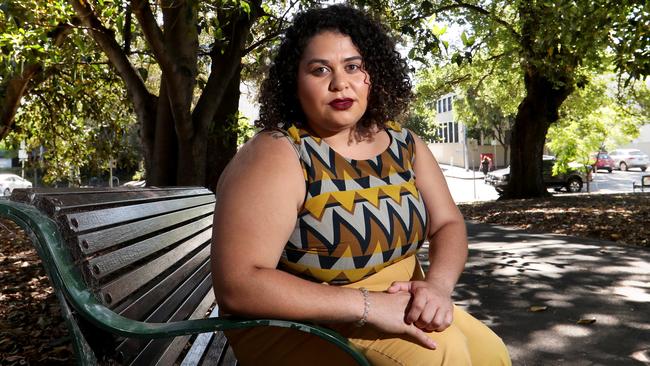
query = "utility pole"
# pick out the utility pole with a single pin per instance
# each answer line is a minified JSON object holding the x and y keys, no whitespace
{"x":22,"y":157}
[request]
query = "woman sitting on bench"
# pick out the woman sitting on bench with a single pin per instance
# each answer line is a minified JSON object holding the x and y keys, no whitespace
{"x":319,"y":217}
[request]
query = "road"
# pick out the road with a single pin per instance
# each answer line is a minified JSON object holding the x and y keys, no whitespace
{"x":467,"y":189}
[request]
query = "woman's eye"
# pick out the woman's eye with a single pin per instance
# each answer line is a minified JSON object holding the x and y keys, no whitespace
{"x":319,"y":70}
{"x":353,"y":67}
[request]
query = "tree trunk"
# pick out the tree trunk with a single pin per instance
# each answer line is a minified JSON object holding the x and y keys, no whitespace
{"x":536,"y":113}
{"x":222,"y":142}
{"x":162,"y":164}
{"x":181,"y":146}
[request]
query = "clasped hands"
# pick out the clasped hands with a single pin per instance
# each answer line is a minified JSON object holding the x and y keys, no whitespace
{"x":413,"y":308}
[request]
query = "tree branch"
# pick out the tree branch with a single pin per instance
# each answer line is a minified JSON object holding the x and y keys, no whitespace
{"x":279,"y":28}
{"x":127,"y":28}
{"x":152,"y":33}
{"x":105,"y":38}
{"x":461,"y":5}
{"x":18,"y":85}
{"x":494,"y":17}
{"x":224,"y":66}
{"x":262,"y":41}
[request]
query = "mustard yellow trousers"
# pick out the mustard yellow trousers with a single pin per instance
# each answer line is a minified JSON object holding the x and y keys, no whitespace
{"x":466,"y":342}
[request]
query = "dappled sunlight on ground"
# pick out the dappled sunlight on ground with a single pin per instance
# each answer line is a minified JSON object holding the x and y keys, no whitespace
{"x":557,"y":300}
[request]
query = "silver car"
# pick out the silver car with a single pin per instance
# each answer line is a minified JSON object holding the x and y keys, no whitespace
{"x":10,"y":181}
{"x":625,"y":159}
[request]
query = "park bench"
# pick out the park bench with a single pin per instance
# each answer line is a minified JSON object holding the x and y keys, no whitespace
{"x":131,"y":270}
{"x":645,"y":183}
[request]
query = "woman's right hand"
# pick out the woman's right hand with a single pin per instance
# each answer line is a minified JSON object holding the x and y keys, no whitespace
{"x":387,"y":314}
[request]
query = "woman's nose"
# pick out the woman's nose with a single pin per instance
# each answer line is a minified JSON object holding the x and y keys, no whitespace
{"x":338,"y":82}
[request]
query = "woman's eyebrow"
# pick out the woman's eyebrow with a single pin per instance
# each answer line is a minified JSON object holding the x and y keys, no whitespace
{"x":353,"y":58}
{"x":317,"y":61}
{"x":326,"y":62}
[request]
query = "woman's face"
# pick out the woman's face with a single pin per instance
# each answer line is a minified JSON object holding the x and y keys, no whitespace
{"x":333,"y":87}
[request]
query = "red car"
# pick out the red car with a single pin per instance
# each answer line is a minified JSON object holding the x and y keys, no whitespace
{"x":602,"y":161}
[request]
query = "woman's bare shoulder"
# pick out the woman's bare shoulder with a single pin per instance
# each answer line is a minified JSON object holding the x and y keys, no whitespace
{"x":267,"y":159}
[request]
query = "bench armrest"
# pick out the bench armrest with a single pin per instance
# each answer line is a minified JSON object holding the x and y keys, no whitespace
{"x":49,"y":244}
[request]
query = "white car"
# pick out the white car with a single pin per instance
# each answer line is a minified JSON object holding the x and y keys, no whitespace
{"x":625,"y":159}
{"x":9,"y":182}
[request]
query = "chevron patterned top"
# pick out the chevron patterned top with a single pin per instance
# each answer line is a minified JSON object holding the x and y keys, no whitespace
{"x":359,"y":216}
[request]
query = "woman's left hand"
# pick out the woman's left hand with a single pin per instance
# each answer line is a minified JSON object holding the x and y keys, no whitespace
{"x":431,"y":308}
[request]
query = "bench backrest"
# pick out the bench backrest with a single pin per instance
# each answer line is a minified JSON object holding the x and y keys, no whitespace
{"x":144,"y":253}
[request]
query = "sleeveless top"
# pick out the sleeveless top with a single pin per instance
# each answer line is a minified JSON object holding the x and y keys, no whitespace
{"x":358,"y":216}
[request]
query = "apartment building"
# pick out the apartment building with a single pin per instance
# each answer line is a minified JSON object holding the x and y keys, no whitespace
{"x":454,"y":148}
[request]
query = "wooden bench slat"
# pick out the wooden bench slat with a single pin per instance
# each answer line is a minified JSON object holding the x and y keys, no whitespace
{"x":89,"y":220}
{"x":55,"y":201}
{"x":180,"y":296}
{"x":95,"y":241}
{"x":200,"y":344}
{"x":140,"y":306}
{"x":216,"y":350}
{"x":103,"y":265}
{"x":185,"y":311}
{"x":229,"y":358}
{"x":118,"y":289}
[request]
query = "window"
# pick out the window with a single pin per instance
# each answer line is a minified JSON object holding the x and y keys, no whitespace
{"x":439,"y":106}
{"x":447,"y":132}
{"x":449,"y":104}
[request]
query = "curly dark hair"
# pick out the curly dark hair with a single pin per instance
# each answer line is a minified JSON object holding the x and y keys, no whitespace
{"x":390,"y":90}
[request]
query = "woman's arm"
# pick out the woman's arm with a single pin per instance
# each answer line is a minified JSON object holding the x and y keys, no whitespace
{"x":431,"y":308}
{"x":258,"y":199}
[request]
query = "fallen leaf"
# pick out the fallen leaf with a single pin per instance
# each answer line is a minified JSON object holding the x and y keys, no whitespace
{"x":586,"y":321}
{"x":14,"y":358}
{"x":537,"y":309}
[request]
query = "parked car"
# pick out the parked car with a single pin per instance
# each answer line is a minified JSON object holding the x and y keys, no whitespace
{"x":9,"y":182}
{"x":602,"y":160}
{"x":625,"y":159}
{"x":572,"y":180}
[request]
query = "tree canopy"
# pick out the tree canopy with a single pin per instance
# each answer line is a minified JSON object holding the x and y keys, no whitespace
{"x":556,"y":45}
{"x":592,"y":119}
{"x":177,"y":66}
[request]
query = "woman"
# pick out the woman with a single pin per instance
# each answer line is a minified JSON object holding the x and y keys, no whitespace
{"x":319,"y":216}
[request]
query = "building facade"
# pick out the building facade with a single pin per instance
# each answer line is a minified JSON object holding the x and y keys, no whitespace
{"x":454,"y":148}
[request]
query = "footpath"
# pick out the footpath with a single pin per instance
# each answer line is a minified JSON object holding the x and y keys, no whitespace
{"x":558,"y":300}
{"x":460,"y":173}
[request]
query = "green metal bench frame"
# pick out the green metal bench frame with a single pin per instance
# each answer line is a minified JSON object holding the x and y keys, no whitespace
{"x":73,"y":293}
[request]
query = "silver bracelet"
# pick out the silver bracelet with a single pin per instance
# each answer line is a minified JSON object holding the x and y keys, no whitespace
{"x":366,"y":308}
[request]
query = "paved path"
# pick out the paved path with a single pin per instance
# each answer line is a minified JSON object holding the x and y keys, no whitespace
{"x":509,"y":271}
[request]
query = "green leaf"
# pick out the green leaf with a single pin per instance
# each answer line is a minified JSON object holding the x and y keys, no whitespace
{"x":245,"y":6}
{"x":457,"y":59}
{"x":439,"y":30}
